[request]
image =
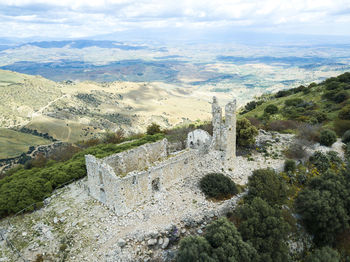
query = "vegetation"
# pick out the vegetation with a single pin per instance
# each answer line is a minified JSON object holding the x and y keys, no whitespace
{"x":326,"y":104}
{"x":346,"y":137}
{"x":29,"y":186}
{"x":218,"y":186}
{"x":221,"y":242}
{"x":325,"y":254}
{"x":289,"y":166}
{"x":264,"y":227}
{"x":268,"y":185}
{"x":246,"y":132}
{"x":328,"y":137}
{"x":324,"y":206}
{"x":153,"y":129}
{"x":271,"y":109}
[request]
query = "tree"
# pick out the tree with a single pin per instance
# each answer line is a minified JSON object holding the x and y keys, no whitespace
{"x":325,"y":254}
{"x":221,"y":242}
{"x":153,"y":129}
{"x":268,"y":185}
{"x":194,"y":249}
{"x":246,"y":132}
{"x":324,"y":206}
{"x":217,"y":186}
{"x":264,"y":227}
{"x":227,"y":242}
{"x":271,"y":109}
{"x":328,"y":137}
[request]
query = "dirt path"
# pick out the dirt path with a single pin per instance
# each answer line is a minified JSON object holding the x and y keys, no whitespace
{"x":40,"y":111}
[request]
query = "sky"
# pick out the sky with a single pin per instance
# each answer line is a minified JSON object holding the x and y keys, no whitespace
{"x":62,"y":19}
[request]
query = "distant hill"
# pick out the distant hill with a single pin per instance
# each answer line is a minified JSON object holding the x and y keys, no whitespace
{"x":71,"y":111}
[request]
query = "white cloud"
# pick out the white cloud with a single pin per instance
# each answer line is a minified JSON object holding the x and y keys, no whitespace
{"x":68,"y":18}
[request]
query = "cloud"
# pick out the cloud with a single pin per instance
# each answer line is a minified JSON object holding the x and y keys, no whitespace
{"x":83,"y":18}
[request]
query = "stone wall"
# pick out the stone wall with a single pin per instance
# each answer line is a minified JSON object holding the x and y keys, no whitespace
{"x":122,"y":194}
{"x":138,"y":158}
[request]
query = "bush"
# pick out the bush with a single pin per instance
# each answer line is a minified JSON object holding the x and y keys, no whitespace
{"x":221,"y":242}
{"x":153,"y":129}
{"x":296,"y":150}
{"x":194,"y":249}
{"x":345,"y":113}
{"x":294,"y":102}
{"x":283,"y":93}
{"x":325,"y":254}
{"x":264,"y":227}
{"x":328,"y":137}
{"x":341,"y":126}
{"x":324,"y":206}
{"x":271,"y":109}
{"x":282,"y":125}
{"x":289,"y":166}
{"x":114,"y":138}
{"x":246,"y":132}
{"x":340,"y":97}
{"x":267,"y":185}
{"x":320,"y":116}
{"x":227,"y":242}
{"x":320,"y":161}
{"x":346,"y":137}
{"x":218,"y":186}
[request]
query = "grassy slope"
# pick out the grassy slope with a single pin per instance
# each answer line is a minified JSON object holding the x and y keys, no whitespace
{"x":13,"y":143}
{"x":330,"y":108}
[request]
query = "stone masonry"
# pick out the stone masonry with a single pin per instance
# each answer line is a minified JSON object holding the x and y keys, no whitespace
{"x":128,"y":179}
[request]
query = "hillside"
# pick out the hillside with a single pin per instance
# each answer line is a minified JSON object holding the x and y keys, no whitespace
{"x":325,"y":104}
{"x":73,"y":111}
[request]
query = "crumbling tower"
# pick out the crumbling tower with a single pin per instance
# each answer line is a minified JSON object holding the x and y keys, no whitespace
{"x":224,"y":133}
{"x":217,"y":125}
{"x":230,"y":135}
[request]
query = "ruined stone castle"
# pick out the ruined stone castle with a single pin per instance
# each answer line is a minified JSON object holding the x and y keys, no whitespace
{"x":126,"y":180}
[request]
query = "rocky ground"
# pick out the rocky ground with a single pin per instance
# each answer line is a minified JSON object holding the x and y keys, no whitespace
{"x":74,"y":227}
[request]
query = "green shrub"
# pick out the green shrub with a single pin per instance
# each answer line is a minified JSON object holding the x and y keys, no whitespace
{"x":227,"y":242}
{"x":264,"y":227}
{"x":246,"y":132}
{"x":341,"y":126}
{"x":153,"y":129}
{"x":346,"y":137}
{"x":320,"y":161}
{"x":217,"y":186}
{"x":325,"y":254}
{"x":221,"y":242}
{"x":332,"y":85}
{"x":340,"y":97}
{"x":328,"y":137}
{"x":267,"y":185}
{"x":294,"y":102}
{"x":271,"y":109}
{"x":345,"y":113}
{"x":194,"y":248}
{"x":289,"y":166}
{"x":324,"y":206}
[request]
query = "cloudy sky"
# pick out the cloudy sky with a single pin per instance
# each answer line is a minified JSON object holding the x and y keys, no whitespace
{"x":86,"y":18}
